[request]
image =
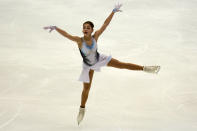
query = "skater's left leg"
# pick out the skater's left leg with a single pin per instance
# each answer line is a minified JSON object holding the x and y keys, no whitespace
{"x":122,"y":65}
{"x":86,"y":89}
{"x":84,"y":97}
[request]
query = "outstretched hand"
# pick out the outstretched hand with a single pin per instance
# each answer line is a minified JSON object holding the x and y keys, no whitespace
{"x":117,"y":8}
{"x":50,"y":27}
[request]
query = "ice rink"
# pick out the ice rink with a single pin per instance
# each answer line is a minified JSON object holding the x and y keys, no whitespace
{"x":39,"y":71}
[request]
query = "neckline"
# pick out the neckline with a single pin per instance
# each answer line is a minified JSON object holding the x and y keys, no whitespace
{"x":89,"y":46}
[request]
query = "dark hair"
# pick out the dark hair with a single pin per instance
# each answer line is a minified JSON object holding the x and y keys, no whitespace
{"x":90,"y":23}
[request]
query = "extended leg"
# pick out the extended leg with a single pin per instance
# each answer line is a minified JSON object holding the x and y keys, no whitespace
{"x":122,"y":65}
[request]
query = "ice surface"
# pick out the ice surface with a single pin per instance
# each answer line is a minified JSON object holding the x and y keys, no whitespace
{"x":39,"y":90}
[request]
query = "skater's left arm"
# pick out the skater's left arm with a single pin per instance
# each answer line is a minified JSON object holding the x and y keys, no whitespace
{"x":107,"y":21}
{"x":104,"y":26}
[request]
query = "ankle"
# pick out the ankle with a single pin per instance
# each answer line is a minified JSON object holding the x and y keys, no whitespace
{"x":82,"y":106}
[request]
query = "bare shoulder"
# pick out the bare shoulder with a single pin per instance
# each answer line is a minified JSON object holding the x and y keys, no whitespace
{"x":95,"y":36}
{"x":77,"y":38}
{"x":79,"y":42}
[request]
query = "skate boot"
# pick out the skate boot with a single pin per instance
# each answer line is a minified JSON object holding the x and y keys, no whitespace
{"x":151,"y":69}
{"x":80,"y":115}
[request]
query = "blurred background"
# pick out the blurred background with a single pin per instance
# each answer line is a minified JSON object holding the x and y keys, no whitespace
{"x":39,"y":70}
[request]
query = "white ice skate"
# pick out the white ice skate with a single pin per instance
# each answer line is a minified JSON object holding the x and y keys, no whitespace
{"x":80,"y":115}
{"x":151,"y":69}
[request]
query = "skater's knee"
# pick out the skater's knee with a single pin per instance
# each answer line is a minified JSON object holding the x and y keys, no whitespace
{"x":86,"y":88}
{"x":119,"y":65}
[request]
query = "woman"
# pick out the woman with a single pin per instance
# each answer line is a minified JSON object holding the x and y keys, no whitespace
{"x":92,"y":60}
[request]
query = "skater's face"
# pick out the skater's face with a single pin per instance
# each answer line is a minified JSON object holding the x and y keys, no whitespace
{"x":87,"y":30}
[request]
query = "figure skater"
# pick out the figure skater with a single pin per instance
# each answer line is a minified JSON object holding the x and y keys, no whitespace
{"x":93,"y":60}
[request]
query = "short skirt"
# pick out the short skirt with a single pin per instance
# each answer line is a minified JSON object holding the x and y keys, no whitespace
{"x":103,"y":61}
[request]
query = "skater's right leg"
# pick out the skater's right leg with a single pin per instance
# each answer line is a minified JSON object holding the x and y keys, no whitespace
{"x":122,"y":65}
{"x":86,"y":89}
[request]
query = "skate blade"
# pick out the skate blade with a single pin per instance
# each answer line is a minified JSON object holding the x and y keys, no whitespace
{"x":158,"y":69}
{"x":78,"y":123}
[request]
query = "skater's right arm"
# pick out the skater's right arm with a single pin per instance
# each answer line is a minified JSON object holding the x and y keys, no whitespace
{"x":64,"y":33}
{"x":67,"y":35}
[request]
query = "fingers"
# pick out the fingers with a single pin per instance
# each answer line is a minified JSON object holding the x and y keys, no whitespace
{"x":50,"y":27}
{"x":117,"y":8}
{"x":50,"y":30}
{"x":46,"y":27}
